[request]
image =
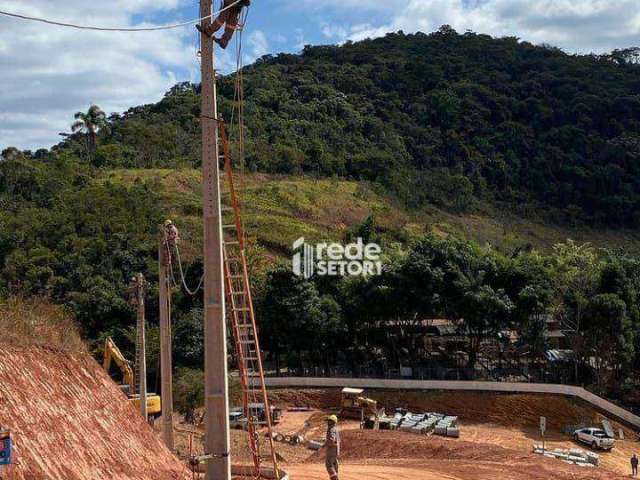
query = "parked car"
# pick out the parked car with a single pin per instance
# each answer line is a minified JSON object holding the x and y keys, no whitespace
{"x":237,"y":420}
{"x":595,"y":437}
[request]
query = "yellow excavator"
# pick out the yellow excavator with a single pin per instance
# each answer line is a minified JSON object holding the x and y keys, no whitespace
{"x":354,"y":405}
{"x":112,"y":352}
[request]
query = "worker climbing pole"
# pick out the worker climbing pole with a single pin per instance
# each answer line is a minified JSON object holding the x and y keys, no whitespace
{"x":229,"y":17}
{"x":226,"y":270}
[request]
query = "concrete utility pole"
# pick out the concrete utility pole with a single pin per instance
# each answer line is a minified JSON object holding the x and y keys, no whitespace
{"x":166,"y":397}
{"x":217,"y":441}
{"x":142,"y":355}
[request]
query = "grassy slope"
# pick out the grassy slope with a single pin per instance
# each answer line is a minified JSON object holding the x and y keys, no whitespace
{"x":37,"y":322}
{"x":278,"y":210}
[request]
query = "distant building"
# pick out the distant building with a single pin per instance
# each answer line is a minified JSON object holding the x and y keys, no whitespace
{"x":555,"y":337}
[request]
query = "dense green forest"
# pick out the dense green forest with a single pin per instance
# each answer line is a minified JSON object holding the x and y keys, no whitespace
{"x":455,"y":120}
{"x":464,"y":122}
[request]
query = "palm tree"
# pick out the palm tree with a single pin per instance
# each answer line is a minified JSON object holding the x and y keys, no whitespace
{"x":90,"y":123}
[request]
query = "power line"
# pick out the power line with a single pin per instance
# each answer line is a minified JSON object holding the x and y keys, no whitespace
{"x":124,"y":29}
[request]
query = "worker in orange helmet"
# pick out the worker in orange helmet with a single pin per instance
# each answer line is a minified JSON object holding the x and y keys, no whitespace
{"x":333,"y":447}
{"x":230,"y":17}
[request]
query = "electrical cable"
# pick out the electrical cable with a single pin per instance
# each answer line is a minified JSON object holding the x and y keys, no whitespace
{"x":182,"y":277}
{"x":120,"y":29}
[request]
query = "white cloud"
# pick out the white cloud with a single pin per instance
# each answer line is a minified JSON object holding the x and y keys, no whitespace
{"x":575,"y":25}
{"x":335,"y":32}
{"x":49,"y":72}
{"x":258,"y":43}
{"x":300,"y":40}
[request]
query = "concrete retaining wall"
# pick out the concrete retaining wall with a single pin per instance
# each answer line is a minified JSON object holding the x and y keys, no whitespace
{"x":502,"y":387}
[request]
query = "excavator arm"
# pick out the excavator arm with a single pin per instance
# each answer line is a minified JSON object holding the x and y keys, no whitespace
{"x":112,"y":352}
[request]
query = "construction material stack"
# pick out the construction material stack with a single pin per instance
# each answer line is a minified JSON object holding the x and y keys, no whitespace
{"x":422,"y":423}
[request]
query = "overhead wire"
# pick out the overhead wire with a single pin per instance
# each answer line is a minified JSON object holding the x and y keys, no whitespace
{"x":182,"y":276}
{"x":237,"y":109}
{"x":117,"y":29}
{"x":237,"y":105}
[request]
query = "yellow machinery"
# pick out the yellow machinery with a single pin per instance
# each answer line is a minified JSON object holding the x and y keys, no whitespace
{"x":354,"y":405}
{"x":112,"y":352}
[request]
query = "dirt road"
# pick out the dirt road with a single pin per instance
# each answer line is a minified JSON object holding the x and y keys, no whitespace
{"x":497,"y":435}
{"x":498,"y":432}
{"x":450,"y":470}
{"x":366,"y":472}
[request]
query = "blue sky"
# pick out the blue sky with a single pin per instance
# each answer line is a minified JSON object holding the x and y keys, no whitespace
{"x":47,"y":73}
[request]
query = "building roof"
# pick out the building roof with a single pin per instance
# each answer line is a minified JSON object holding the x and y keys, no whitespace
{"x":559,"y":355}
{"x":554,"y":334}
{"x":352,"y":391}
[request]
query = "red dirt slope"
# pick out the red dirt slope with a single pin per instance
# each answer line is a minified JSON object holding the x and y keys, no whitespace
{"x":69,"y":421}
{"x":442,"y":458}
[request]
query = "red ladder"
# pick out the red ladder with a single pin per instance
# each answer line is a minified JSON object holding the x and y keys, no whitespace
{"x":241,"y":315}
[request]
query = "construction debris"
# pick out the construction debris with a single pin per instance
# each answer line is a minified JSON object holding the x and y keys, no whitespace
{"x":575,"y":456}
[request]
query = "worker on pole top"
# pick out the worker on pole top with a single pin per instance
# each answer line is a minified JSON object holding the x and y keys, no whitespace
{"x":333,"y":447}
{"x":133,"y":291}
{"x":229,"y":17}
{"x":171,"y":233}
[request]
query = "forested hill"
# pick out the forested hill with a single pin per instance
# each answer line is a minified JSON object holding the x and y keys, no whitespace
{"x":458,"y":120}
{"x":423,"y":139}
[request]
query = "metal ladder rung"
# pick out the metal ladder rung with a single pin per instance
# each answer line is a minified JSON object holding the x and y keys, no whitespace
{"x":239,"y":312}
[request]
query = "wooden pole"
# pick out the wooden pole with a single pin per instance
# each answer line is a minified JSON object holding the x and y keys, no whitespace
{"x":217,"y":441}
{"x":166,"y":397}
{"x":142,"y":355}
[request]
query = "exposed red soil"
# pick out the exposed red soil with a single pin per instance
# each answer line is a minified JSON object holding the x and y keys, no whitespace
{"x":521,"y":410}
{"x":428,"y":457}
{"x":70,"y":421}
{"x":498,"y":432}
{"x":313,"y":398}
{"x":389,"y":445}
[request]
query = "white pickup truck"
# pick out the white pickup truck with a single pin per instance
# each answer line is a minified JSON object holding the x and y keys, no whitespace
{"x":595,"y":437}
